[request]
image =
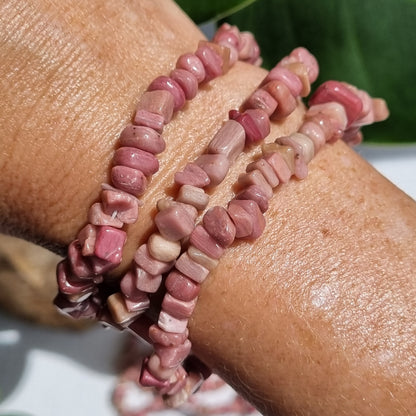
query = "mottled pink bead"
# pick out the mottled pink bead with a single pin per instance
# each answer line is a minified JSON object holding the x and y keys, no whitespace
{"x":167,"y":339}
{"x":86,"y":309}
{"x":255,"y":122}
{"x":241,"y":219}
{"x":173,"y":356}
{"x":174,"y":222}
{"x":336,"y":91}
{"x":79,"y":264}
{"x":129,"y":180}
{"x":286,"y":102}
{"x":165,"y":203}
{"x":266,"y":170}
{"x":143,"y":138}
{"x":219,"y":226}
{"x":138,"y":304}
{"x":158,"y":370}
{"x":190,"y":268}
{"x":193,"y":64}
{"x":262,"y":100}
{"x":178,"y":308}
{"x":171,"y":324}
{"x":159,"y":102}
{"x":291,"y":80}
{"x":136,"y":159}
{"x":229,"y":140}
{"x":230,"y":39}
{"x":194,"y":196}
{"x":86,"y":238}
{"x":255,"y":177}
{"x":148,"y":119}
{"x":109,"y":244}
{"x":143,"y":258}
{"x":118,"y":309}
{"x":204,"y":242}
{"x":215,"y":165}
{"x":69,"y":284}
{"x":248,"y":49}
{"x":187,"y":82}
{"x":303,"y":55}
{"x":282,"y":170}
{"x":100,"y":266}
{"x":149,"y":380}
{"x":120,"y":204}
{"x":176,"y":385}
{"x":129,"y":289}
{"x":168,"y":84}
{"x":97,"y":216}
{"x":181,"y":287}
{"x":257,"y":218}
{"x":315,"y":133}
{"x":336,"y":113}
{"x":147,"y":282}
{"x":192,"y":175}
{"x":212,"y":62}
{"x":255,"y":193}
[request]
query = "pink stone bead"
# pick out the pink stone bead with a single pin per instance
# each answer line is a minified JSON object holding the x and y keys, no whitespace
{"x":136,"y":159}
{"x":194,"y":196}
{"x":119,"y":311}
{"x":167,"y":339}
{"x":301,"y":71}
{"x":216,"y":167}
{"x":255,"y":177}
{"x":69,"y":284}
{"x":257,"y":218}
{"x":159,"y":102}
{"x":280,"y":167}
{"x":266,"y":170}
{"x":286,"y":102}
{"x":219,"y":226}
{"x":229,"y":140}
{"x":334,"y":110}
{"x":147,"y":282}
{"x":174,"y":222}
{"x":100,"y":266}
{"x":261,"y":99}
{"x":303,"y":55}
{"x":336,"y":91}
{"x":199,"y":257}
{"x":124,"y":206}
{"x":315,"y":133}
{"x":148,"y":119}
{"x":204,"y":242}
{"x":171,"y":324}
{"x":79,"y":264}
{"x":129,"y":289}
{"x":192,"y":175}
{"x":155,"y":267}
{"x":330,"y":127}
{"x":193,"y":64}
{"x":109,"y":244}
{"x":191,"y":269}
{"x":86,"y":238}
{"x":171,"y":357}
{"x":178,"y":308}
{"x":280,"y":73}
{"x":241,"y":219}
{"x":138,"y":304}
{"x":212,"y":62}
{"x":186,"y":81}
{"x":248,"y":49}
{"x":255,"y":122}
{"x":168,"y":84}
{"x":87,"y":309}
{"x":176,"y":383}
{"x":129,"y":180}
{"x":181,"y":287}
{"x":380,"y":109}
{"x":97,"y":216}
{"x":160,"y":372}
{"x":162,"y":249}
{"x":149,"y":380}
{"x":230,"y":39}
{"x":255,"y":193}
{"x":143,"y":138}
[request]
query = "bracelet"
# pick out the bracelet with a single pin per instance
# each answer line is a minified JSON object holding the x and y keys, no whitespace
{"x":181,"y":250}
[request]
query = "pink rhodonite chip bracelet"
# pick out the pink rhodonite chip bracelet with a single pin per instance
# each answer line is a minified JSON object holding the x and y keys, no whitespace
{"x":180,"y":253}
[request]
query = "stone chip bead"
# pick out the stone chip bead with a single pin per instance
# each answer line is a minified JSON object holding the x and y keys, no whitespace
{"x":86,"y":238}
{"x":193,"y":175}
{"x":257,"y":219}
{"x":301,"y":71}
{"x":167,"y":339}
{"x":178,"y":308}
{"x":219,"y":226}
{"x":109,"y":244}
{"x":147,"y":262}
{"x":174,"y":222}
{"x":255,"y":177}
{"x":229,"y":140}
{"x":69,"y":284}
{"x":159,"y":102}
{"x":118,"y":309}
{"x":147,"y":282}
{"x":148,"y":119}
{"x":187,"y":82}
{"x":191,"y":269}
{"x":143,"y":138}
{"x":261,"y":99}
{"x":163,"y":249}
{"x":211,"y":60}
{"x":155,"y":367}
{"x":255,"y":193}
{"x":266,"y":170}
{"x":193,"y":64}
{"x":181,"y":287}
{"x":97,"y":216}
{"x":291,"y":80}
{"x":172,"y":357}
{"x":122,"y":205}
{"x":199,"y":257}
{"x":242,"y":220}
{"x":168,"y":84}
{"x":136,"y":159}
{"x":216,"y":167}
{"x":280,"y":167}
{"x":171,"y":324}
{"x":255,"y":122}
{"x":129,"y":180}
{"x":194,"y":196}
{"x":204,"y":242}
{"x":286,"y":102}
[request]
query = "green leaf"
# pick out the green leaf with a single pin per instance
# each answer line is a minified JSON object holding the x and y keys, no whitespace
{"x":202,"y":11}
{"x":371,"y":44}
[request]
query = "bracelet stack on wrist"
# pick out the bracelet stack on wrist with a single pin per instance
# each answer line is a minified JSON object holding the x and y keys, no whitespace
{"x":179,"y":255}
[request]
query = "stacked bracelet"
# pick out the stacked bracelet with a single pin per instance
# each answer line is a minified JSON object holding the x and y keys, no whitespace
{"x":180,"y":252}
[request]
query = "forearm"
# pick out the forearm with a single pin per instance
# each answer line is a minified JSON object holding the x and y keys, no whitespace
{"x":316,"y":315}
